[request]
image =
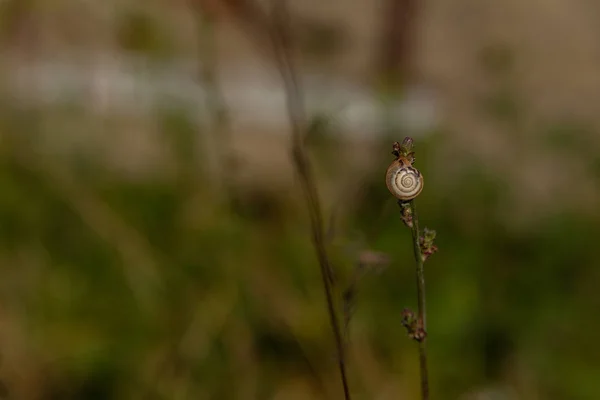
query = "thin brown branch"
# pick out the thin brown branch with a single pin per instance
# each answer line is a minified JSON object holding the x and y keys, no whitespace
{"x":275,"y":30}
{"x":280,"y":38}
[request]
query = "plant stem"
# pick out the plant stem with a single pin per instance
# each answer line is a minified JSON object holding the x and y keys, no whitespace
{"x":277,"y":30}
{"x":421,"y":312}
{"x":280,"y":37}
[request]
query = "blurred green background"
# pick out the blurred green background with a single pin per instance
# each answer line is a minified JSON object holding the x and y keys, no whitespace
{"x":153,"y":239}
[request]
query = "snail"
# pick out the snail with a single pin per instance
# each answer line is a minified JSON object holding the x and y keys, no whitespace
{"x":403,"y":180}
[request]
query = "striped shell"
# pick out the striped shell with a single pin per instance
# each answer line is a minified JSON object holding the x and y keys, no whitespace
{"x":403,"y":180}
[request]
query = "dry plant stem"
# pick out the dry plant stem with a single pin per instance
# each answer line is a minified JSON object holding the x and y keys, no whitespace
{"x":297,"y":115}
{"x":422,"y":314}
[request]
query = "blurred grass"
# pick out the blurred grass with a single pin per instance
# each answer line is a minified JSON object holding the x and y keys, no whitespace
{"x":151,"y":285}
{"x":236,"y":311}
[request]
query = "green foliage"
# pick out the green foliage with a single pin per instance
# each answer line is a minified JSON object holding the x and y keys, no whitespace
{"x":239,"y":303}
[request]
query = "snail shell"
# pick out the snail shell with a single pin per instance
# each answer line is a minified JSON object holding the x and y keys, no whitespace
{"x":403,"y":180}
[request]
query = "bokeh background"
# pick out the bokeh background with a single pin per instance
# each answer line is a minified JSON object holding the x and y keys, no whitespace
{"x":154,"y":243}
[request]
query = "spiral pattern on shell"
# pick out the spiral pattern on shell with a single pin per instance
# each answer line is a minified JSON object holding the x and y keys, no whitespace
{"x":404,"y":181}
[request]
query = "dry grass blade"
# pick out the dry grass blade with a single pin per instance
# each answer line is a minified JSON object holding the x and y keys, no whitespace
{"x":280,"y":37}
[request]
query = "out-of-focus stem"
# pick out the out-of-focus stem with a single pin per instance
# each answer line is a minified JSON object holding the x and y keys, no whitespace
{"x":275,"y":28}
{"x":280,"y":37}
